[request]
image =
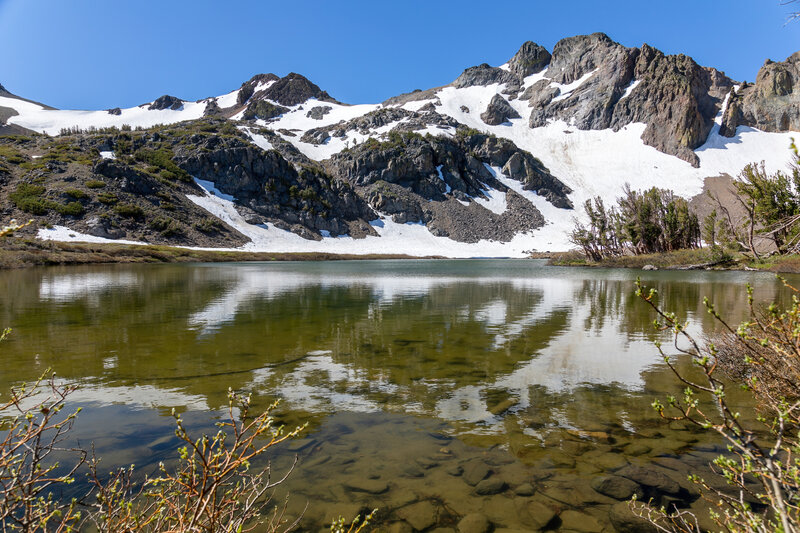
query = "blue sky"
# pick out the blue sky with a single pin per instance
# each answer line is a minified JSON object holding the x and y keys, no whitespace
{"x":88,"y":54}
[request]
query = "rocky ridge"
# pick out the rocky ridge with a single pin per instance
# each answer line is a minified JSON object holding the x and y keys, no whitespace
{"x":294,"y":157}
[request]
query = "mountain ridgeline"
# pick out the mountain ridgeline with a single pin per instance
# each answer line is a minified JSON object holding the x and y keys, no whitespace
{"x":502,"y":155}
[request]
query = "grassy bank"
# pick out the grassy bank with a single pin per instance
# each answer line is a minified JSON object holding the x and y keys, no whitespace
{"x":684,"y":260}
{"x":18,"y":252}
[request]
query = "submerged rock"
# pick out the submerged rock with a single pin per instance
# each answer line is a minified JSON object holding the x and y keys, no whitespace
{"x":421,"y":515}
{"x":487,"y":487}
{"x":475,"y":471}
{"x":474,"y":523}
{"x":617,"y":487}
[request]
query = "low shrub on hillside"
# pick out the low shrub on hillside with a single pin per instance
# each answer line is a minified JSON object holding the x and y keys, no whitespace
{"x":76,"y":194}
{"x":129,"y":210}
{"x":162,"y":159}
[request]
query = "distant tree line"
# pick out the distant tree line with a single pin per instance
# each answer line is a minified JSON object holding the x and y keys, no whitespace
{"x":771,"y":207}
{"x":656,"y":220}
{"x":642,"y":222}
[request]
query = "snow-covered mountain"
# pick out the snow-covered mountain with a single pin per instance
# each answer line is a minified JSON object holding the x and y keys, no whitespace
{"x":497,"y":163}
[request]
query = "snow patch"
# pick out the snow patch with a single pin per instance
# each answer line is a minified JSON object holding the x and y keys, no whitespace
{"x":228,"y":100}
{"x":53,"y":121}
{"x":568,"y":89}
{"x":258,"y":140}
{"x":634,"y":84}
{"x":108,"y":155}
{"x":495,"y":201}
{"x":448,"y":189}
{"x":533,"y":78}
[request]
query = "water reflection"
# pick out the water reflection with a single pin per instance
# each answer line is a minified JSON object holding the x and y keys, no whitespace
{"x":439,"y":338}
{"x":544,"y":374}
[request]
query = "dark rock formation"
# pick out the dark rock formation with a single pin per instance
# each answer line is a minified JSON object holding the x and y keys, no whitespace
{"x":125,"y":178}
{"x":305,"y":200}
{"x":498,"y":111}
{"x":212,"y":109}
{"x":319,"y":111}
{"x":264,"y":110}
{"x":115,"y":111}
{"x":530,"y":59}
{"x":248,"y":88}
{"x":483,"y":75}
{"x":676,"y":98}
{"x":521,"y":166}
{"x":166,"y":102}
{"x":295,"y":89}
{"x":434,"y":181}
{"x":771,"y":104}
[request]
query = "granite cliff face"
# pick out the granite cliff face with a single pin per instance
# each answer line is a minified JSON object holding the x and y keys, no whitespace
{"x":300,"y":198}
{"x":772,"y":103}
{"x":594,"y":83}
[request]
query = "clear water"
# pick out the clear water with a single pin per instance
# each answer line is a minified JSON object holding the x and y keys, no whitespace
{"x":413,"y":375}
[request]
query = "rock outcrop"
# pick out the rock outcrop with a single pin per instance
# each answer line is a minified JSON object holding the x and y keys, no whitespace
{"x":248,"y":88}
{"x":304,"y":200}
{"x":406,"y":120}
{"x":264,"y":110}
{"x":771,"y":104}
{"x":319,"y":111}
{"x":295,"y":89}
{"x":166,"y":102}
{"x":530,"y":59}
{"x":439,"y":182}
{"x":587,"y":85}
{"x":498,"y":111}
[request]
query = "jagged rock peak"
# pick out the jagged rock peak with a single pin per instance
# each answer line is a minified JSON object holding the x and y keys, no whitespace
{"x":295,"y":89}
{"x":262,"y":78}
{"x":166,"y":102}
{"x":574,"y":57}
{"x":248,"y":88}
{"x":483,"y":74}
{"x":771,"y":104}
{"x":530,"y":59}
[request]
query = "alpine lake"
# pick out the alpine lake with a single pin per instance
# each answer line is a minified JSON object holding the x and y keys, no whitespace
{"x":432,"y":389}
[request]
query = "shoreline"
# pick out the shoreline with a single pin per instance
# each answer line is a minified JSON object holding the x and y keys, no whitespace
{"x":21,"y":252}
{"x":684,"y":260}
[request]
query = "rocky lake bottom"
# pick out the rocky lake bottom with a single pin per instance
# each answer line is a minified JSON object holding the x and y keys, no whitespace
{"x":450,"y":395}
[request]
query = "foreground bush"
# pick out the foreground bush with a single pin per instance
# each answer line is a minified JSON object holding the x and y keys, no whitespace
{"x":762,"y":355}
{"x":211,"y":488}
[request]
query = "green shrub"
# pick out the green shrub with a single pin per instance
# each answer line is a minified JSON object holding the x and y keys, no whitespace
{"x":12,"y":155}
{"x":76,"y":193}
{"x":129,"y":211}
{"x":28,"y":197}
{"x":74,"y":209}
{"x":95,"y":184}
{"x":309,"y":194}
{"x":162,"y":159}
{"x":108,"y":198}
{"x":209,"y":225}
{"x":167,"y":226}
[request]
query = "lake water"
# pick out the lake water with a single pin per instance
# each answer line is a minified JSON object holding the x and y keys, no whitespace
{"x":432,"y":389}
